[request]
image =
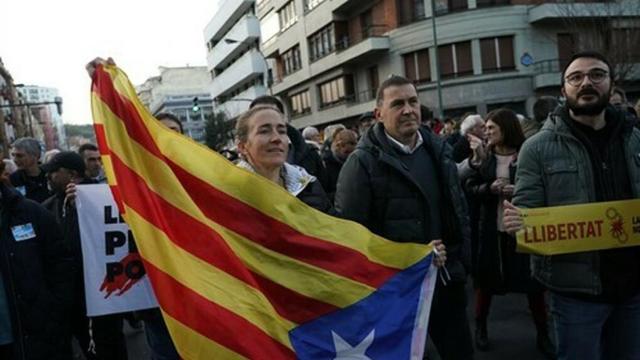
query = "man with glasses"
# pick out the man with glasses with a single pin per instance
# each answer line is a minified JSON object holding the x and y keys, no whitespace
{"x":588,"y":151}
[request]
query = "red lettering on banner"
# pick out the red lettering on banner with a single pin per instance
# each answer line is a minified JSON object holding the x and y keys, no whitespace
{"x":571,"y":230}
{"x":562,"y":231}
{"x":599,"y":223}
{"x":551,"y":233}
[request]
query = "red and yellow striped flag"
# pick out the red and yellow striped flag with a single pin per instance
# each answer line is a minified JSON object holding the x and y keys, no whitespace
{"x":235,"y":261}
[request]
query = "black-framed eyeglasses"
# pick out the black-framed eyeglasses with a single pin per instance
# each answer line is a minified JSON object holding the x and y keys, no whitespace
{"x":596,"y":77}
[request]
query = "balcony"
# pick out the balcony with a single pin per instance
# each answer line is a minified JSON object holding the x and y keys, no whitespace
{"x":249,"y":65}
{"x":246,"y":31}
{"x":557,"y":12}
{"x":240,"y":103}
{"x":547,"y":73}
{"x":370,"y":43}
{"x":229,"y":12}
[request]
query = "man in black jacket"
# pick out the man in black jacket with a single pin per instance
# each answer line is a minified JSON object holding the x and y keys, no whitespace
{"x":402,"y":184}
{"x":29,"y":179}
{"x":106,"y":331}
{"x":37,"y":272}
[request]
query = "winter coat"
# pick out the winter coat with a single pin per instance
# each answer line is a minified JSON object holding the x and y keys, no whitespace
{"x":376,"y":190}
{"x":305,"y":155}
{"x":38,"y":276}
{"x":498,"y":267}
{"x":554,"y":168}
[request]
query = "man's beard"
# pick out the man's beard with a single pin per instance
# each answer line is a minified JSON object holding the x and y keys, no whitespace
{"x":590,"y":109}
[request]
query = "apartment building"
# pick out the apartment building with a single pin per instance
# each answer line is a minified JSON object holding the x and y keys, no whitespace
{"x":236,"y":65}
{"x":331,"y":55}
{"x":175,"y":91}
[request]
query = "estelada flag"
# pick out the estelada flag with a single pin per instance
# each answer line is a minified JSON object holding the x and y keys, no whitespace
{"x":243,"y":269}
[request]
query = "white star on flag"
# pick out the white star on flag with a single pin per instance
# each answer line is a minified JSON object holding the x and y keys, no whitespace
{"x":344,"y":351}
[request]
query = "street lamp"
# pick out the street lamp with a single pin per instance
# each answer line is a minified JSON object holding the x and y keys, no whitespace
{"x":435,"y":45}
{"x":264,"y":58}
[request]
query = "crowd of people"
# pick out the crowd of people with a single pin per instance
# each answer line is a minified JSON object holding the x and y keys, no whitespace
{"x":457,"y":184}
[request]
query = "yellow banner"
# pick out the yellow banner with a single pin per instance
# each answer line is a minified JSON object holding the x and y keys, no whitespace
{"x":576,"y":228}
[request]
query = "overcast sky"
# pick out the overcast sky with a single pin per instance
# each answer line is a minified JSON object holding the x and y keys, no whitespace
{"x":48,"y":43}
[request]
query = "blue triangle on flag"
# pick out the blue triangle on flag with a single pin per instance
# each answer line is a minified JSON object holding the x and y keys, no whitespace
{"x":379,"y":326}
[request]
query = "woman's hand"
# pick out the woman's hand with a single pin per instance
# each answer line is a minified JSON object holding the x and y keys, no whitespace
{"x":507,"y":190}
{"x":439,"y":249}
{"x":512,"y":218}
{"x":497,"y":186}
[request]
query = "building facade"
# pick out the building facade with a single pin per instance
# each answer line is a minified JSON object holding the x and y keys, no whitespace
{"x":237,"y":68}
{"x":44,"y":121}
{"x":176,"y":90}
{"x":331,"y":55}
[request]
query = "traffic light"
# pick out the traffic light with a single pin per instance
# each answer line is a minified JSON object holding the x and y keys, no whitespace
{"x":195,"y":107}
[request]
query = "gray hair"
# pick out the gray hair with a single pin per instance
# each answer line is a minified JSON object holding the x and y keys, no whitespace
{"x":469,"y":123}
{"x":309,"y":132}
{"x":330,"y":130}
{"x":29,"y":145}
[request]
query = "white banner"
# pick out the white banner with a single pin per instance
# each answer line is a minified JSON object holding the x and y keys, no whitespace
{"x":114,"y":277}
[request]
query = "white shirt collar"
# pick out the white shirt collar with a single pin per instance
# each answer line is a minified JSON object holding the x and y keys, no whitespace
{"x":405,"y":148}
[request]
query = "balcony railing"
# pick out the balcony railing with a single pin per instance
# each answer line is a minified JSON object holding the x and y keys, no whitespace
{"x":371,"y":31}
{"x":352,"y":99}
{"x":547,"y":66}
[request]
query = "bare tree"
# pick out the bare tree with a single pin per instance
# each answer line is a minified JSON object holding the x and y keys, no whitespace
{"x":611,"y":27}
{"x":218,"y":131}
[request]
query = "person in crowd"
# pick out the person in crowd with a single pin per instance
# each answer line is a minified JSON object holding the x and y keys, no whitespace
{"x":105,"y":331}
{"x":329,"y":132}
{"x":10,"y":166}
{"x":36,"y":282}
{"x":29,"y":179}
{"x":312,"y":137}
{"x":366,"y":121}
{"x":171,"y":121}
{"x":499,"y":269}
{"x":586,"y":152}
{"x":402,"y":184}
{"x":541,"y":110}
{"x":344,"y":142}
{"x":451,"y":132}
{"x":49,"y":155}
{"x":471,"y":131}
{"x":4,"y":174}
{"x":618,"y":97}
{"x":262,"y":140}
{"x":299,"y":153}
{"x":92,"y":163}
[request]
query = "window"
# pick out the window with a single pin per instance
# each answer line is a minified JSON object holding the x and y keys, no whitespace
{"x":335,"y":91}
{"x":301,"y":103}
{"x":322,"y":43}
{"x":497,"y":54}
{"x":310,"y":4}
{"x":624,"y":40}
{"x":269,"y":27}
{"x":416,"y":66}
{"x":374,"y":81}
{"x":287,"y":15}
{"x":410,"y":11}
{"x":486,"y":3}
{"x":455,"y":60}
{"x":291,"y":61}
{"x":446,"y":6}
{"x":567,"y":46}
